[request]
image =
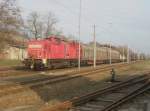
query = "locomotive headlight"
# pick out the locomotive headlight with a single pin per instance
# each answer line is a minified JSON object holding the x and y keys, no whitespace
{"x":44,"y":61}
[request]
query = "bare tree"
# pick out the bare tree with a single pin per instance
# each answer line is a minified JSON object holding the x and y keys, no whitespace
{"x":49,"y":24}
{"x":10,"y":20}
{"x":41,"y":25}
{"x":33,"y":23}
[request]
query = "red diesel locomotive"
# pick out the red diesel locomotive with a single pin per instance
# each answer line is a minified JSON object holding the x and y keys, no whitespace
{"x":53,"y":51}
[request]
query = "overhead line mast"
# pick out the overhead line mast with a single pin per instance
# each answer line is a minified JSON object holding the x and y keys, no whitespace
{"x":110,"y":50}
{"x":94,"y":35}
{"x":128,"y":54}
{"x":79,"y":56}
{"x":123,"y":55}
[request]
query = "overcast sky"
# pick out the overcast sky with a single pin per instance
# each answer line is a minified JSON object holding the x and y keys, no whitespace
{"x":120,"y":22}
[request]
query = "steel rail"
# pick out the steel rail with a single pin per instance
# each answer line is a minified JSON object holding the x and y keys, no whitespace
{"x":46,"y":81}
{"x":38,"y":83}
{"x":65,"y":77}
{"x":128,"y":97}
{"x":77,"y":101}
{"x":88,"y":97}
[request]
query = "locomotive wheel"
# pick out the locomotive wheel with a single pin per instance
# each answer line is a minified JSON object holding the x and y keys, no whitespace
{"x":42,"y":67}
{"x":36,"y":67}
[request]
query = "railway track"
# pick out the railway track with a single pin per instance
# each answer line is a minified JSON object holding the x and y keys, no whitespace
{"x":7,"y":68}
{"x":20,"y":71}
{"x":15,"y":87}
{"x":11,"y":72}
{"x":106,"y":99}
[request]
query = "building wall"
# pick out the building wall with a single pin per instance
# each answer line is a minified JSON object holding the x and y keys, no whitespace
{"x":14,"y":53}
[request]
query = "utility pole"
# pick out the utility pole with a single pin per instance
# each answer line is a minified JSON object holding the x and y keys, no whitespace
{"x":110,"y":50}
{"x":110,"y":59}
{"x":138,"y":55}
{"x":94,"y":40}
{"x":128,"y":55}
{"x":79,"y":61}
{"x":123,"y":57}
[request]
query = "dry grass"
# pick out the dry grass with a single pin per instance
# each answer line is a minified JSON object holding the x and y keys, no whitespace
{"x":6,"y":62}
{"x":19,"y":99}
{"x":56,"y":93}
{"x":77,"y":87}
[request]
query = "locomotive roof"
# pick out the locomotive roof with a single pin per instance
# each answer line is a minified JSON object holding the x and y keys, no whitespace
{"x":63,"y":38}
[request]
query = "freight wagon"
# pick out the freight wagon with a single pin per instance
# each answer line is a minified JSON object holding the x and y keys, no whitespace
{"x":53,"y":51}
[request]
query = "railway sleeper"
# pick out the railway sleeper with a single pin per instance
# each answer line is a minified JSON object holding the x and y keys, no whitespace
{"x":93,"y":106}
{"x":105,"y":100}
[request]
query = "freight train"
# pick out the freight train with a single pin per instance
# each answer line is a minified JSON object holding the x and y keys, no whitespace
{"x":53,"y":51}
